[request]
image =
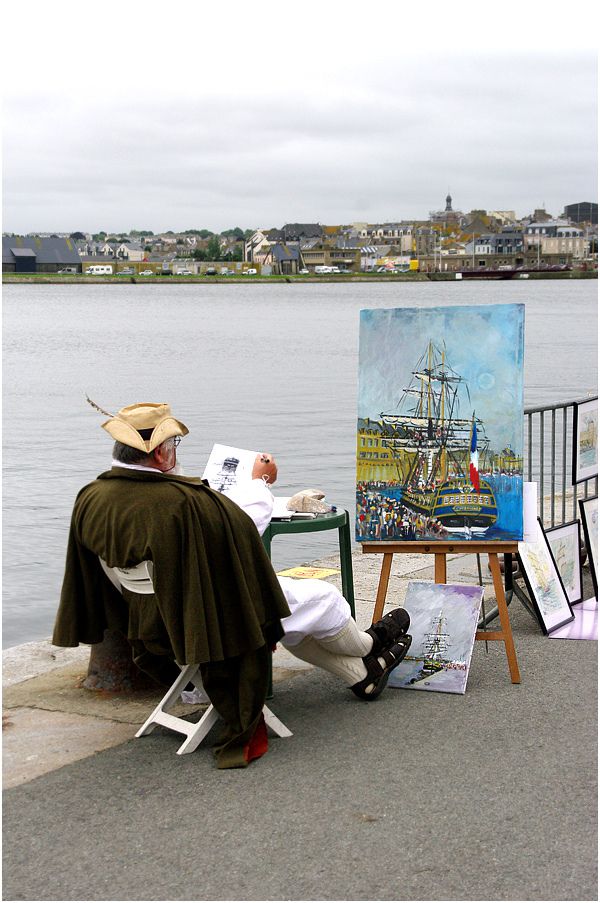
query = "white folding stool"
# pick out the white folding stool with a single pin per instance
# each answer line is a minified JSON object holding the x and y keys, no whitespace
{"x":138,"y":579}
{"x":195,"y":733}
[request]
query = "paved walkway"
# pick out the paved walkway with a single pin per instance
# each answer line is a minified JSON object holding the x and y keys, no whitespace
{"x":418,"y":796}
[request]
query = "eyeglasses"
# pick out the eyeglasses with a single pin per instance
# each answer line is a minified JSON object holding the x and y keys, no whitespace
{"x":176,"y":440}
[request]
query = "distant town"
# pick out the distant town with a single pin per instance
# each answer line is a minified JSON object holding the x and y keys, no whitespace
{"x":451,"y":242}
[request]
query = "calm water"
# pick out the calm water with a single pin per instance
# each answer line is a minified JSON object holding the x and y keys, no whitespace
{"x":268,"y":367}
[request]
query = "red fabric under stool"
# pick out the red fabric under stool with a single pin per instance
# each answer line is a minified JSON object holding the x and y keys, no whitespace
{"x":259,"y":742}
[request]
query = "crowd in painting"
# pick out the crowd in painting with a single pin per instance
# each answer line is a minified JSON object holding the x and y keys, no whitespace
{"x":382,"y":516}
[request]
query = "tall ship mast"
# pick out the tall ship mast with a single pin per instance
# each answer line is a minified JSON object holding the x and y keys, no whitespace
{"x":437,"y":451}
{"x":435,"y":646}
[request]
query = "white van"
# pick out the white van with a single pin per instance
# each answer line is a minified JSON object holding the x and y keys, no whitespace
{"x":323,"y":269}
{"x":99,"y":270}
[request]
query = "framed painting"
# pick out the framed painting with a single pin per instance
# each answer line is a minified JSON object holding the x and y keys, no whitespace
{"x":439,"y":450}
{"x":565,"y":545}
{"x":443,"y":623}
{"x":544,"y":583}
{"x":589,"y":519}
{"x":585,"y":441}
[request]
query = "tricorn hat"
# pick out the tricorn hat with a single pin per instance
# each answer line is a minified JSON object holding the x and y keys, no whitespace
{"x":144,"y":425}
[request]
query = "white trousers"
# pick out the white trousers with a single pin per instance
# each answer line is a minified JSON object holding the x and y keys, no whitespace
{"x":317,"y":608}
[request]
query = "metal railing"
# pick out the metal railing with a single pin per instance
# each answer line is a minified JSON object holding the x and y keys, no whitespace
{"x":549,"y":461}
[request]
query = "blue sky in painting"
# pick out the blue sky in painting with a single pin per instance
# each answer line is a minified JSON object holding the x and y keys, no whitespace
{"x":484,"y":345}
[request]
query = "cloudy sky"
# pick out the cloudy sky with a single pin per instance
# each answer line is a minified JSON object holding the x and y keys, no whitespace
{"x":196,"y":115}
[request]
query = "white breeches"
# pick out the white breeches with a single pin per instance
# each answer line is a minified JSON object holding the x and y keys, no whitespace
{"x":317,"y":608}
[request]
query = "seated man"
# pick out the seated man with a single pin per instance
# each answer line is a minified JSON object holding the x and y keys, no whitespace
{"x":216,"y":601}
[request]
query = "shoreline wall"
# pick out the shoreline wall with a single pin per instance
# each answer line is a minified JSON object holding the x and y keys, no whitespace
{"x":80,"y":279}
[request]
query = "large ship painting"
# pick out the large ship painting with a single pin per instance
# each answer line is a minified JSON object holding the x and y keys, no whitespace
{"x":437,"y":451}
{"x":426,"y":469}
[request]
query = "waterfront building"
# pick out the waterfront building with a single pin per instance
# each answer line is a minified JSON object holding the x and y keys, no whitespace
{"x":540,"y":216}
{"x":297,"y":232}
{"x":583,"y":212}
{"x":369,"y":255}
{"x":504,"y":217}
{"x":32,"y":254}
{"x":557,"y":237}
{"x":284,"y":259}
{"x":508,"y":241}
{"x":315,"y":252}
{"x":426,"y":239}
{"x":130,"y":251}
{"x":448,"y":216}
{"x":257,"y":244}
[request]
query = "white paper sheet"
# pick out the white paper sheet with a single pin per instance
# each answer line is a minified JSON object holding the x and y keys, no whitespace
{"x":530,"y":524}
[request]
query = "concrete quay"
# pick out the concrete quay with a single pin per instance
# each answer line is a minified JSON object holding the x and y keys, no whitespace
{"x":417,"y":796}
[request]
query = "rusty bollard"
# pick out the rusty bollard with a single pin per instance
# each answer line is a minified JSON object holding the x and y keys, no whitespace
{"x":112,"y":668}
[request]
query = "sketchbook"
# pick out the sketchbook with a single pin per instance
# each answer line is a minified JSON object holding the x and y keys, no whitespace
{"x":227,"y":466}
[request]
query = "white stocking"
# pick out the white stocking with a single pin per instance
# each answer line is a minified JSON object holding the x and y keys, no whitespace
{"x":350,"y":668}
{"x":349,"y":641}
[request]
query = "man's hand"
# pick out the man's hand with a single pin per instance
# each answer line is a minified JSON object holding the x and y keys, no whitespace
{"x":265,"y":467}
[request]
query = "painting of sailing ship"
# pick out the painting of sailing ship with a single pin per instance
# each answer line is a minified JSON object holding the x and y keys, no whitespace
{"x":544,"y":583}
{"x":585,"y":441}
{"x":589,"y":518}
{"x":565,"y":542}
{"x":443,"y":622}
{"x":440,"y":424}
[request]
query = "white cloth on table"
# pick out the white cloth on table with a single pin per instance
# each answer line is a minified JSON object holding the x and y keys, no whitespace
{"x":317,"y":608}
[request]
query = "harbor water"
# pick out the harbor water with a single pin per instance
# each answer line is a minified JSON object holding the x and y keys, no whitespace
{"x":258,"y":366}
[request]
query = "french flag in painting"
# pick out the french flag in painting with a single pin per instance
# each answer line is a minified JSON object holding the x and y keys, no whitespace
{"x":474,"y":465}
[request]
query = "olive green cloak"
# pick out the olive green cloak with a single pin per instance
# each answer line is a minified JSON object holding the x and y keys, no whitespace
{"x":217,"y":599}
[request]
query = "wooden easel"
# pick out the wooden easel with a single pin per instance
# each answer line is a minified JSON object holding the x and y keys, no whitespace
{"x":440,"y":550}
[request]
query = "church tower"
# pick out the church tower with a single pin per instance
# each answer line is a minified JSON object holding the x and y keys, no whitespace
{"x":448,"y":203}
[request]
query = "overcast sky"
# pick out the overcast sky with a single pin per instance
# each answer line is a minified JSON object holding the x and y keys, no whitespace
{"x":196,"y":115}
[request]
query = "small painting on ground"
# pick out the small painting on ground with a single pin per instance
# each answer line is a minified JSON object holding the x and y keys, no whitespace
{"x":443,"y":622}
{"x":440,"y":424}
{"x":544,"y":583}
{"x":565,"y":543}
{"x":585,"y":441}
{"x":589,"y":517}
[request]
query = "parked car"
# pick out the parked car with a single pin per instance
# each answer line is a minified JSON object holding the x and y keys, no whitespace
{"x":250,"y":272}
{"x":68,"y":270}
{"x":183,"y":273}
{"x":127,"y":271}
{"x":303,"y":272}
{"x":146,"y":273}
{"x":210,"y":271}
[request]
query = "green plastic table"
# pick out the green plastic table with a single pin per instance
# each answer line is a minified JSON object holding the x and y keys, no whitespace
{"x":333,"y":520}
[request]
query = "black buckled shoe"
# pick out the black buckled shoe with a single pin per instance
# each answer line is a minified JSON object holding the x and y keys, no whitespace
{"x":378,"y":676}
{"x":389,"y":629}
